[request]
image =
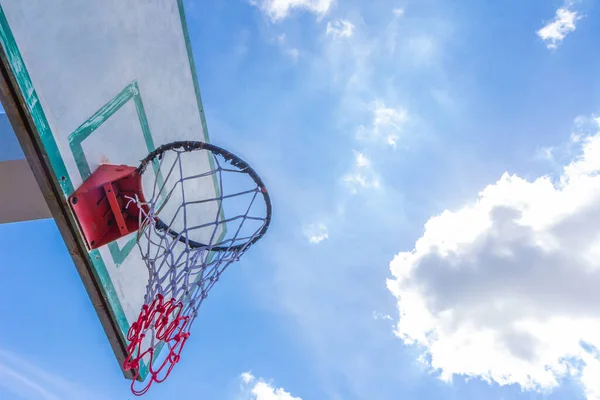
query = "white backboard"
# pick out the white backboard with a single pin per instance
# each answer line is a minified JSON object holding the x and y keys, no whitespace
{"x":92,"y":82}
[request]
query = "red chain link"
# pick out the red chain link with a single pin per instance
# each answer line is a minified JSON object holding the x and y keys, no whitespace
{"x":169,"y":327}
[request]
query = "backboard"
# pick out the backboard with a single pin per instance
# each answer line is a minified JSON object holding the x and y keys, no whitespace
{"x":86,"y":83}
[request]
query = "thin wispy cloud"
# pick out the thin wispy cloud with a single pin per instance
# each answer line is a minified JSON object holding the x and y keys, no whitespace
{"x":278,"y":10}
{"x":386,"y":126}
{"x":505,"y":288}
{"x":381,"y":316}
{"x":316,"y":232}
{"x":340,"y":29}
{"x":362,"y":176}
{"x":362,"y":160}
{"x":398,"y":12}
{"x":31,"y":382}
{"x":287,"y":49}
{"x":23,"y":386}
{"x":293,"y":53}
{"x":546,"y":153}
{"x":258,"y":389}
{"x":557,"y":30}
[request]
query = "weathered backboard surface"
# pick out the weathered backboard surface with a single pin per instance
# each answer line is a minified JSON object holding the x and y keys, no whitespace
{"x":92,"y":82}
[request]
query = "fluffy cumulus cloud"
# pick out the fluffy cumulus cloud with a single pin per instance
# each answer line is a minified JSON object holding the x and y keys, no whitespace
{"x":563,"y":23}
{"x":258,"y":389}
{"x":278,"y":10}
{"x":362,"y":176}
{"x":387,"y":125}
{"x":340,"y":29}
{"x":506,"y":288}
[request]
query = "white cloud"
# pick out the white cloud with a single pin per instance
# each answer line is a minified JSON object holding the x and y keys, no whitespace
{"x":340,"y":28}
{"x":387,"y":124}
{"x":362,"y":160}
{"x":423,"y":48}
{"x":362,"y":176}
{"x":357,"y":181}
{"x":247,"y":377}
{"x":546,"y":153}
{"x":589,"y":377}
{"x":398,"y":12}
{"x":316,"y":233}
{"x":584,"y":125}
{"x":381,"y":316}
{"x":293,"y":53}
{"x":278,"y":10}
{"x":506,"y":288}
{"x":564,"y":23}
{"x":258,"y":389}
{"x":280,"y":38}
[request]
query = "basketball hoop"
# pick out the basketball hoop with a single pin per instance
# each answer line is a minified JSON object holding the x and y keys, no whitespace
{"x":183,"y":234}
{"x":185,"y":256}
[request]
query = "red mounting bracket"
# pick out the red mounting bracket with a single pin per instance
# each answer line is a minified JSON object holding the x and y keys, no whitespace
{"x":103,"y":212}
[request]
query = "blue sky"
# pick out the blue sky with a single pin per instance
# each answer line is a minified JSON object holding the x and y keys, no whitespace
{"x":433,"y":168}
